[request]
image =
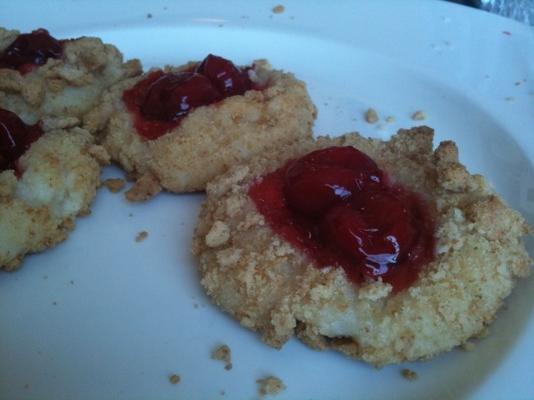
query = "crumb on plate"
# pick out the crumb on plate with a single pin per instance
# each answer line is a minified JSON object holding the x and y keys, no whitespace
{"x":409,"y":374}
{"x":371,"y":116}
{"x":419,"y":115}
{"x":114,"y":185}
{"x":141,"y":236}
{"x":223,"y":353}
{"x":174,"y":379}
{"x":270,"y":385}
{"x":279,"y":9}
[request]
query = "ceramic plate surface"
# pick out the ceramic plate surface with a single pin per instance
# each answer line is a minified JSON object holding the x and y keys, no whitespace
{"x":103,"y":317}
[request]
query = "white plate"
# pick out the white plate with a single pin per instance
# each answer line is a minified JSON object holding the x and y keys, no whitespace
{"x":101,"y":316}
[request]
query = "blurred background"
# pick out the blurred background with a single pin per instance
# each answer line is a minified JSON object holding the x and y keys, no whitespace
{"x":520,"y":10}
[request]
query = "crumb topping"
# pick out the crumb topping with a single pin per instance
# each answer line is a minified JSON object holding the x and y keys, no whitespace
{"x":270,"y":385}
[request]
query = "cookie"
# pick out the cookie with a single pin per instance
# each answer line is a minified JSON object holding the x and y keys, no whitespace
{"x":56,"y":81}
{"x":179,"y":127}
{"x":324,"y":273}
{"x":46,"y":180}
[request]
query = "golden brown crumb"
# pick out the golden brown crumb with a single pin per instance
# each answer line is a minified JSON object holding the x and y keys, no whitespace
{"x":174,"y":379}
{"x":223,"y":353}
{"x":279,"y":9}
{"x":114,"y":185}
{"x":419,"y":115}
{"x":409,"y":374}
{"x":146,"y":187}
{"x":270,"y":385}
{"x":467,"y":346}
{"x":141,"y":236}
{"x":371,"y":116}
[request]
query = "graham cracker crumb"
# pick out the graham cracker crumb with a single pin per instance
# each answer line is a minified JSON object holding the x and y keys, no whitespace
{"x":174,"y":379}
{"x":141,"y":236}
{"x":467,"y":346}
{"x":279,"y":9}
{"x":223,"y":353}
{"x":270,"y":385}
{"x":419,"y":115}
{"x":371,"y":116}
{"x":114,"y":185}
{"x":218,"y":234}
{"x":409,"y":374}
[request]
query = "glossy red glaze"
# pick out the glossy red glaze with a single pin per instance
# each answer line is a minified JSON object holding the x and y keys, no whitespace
{"x":224,"y":75}
{"x":30,"y":50}
{"x":15,"y":138}
{"x":161,"y":100}
{"x":339,"y":207}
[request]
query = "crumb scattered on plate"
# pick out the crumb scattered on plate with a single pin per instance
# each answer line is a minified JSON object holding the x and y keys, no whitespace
{"x":223,"y":353}
{"x":419,"y":115}
{"x":409,"y":374}
{"x":390,"y":119}
{"x":371,"y":116}
{"x":174,"y":379}
{"x":141,"y":236}
{"x":270,"y":385}
{"x":279,"y":9}
{"x":114,"y":185}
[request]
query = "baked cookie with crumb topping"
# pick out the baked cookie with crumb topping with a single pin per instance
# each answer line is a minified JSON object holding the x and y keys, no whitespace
{"x":46,"y":180}
{"x":179,"y":127}
{"x":387,"y":251}
{"x":56,"y":81}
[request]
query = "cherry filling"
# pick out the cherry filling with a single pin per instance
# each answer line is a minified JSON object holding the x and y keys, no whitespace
{"x":15,"y":138}
{"x":30,"y":50}
{"x":161,"y":100}
{"x":338,"y":207}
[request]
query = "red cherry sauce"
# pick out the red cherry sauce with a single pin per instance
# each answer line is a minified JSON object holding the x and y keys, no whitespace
{"x":338,"y":207}
{"x":30,"y":50}
{"x":15,"y":138}
{"x":161,"y":100}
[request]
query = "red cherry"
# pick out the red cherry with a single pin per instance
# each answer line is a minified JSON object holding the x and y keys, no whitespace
{"x":328,"y":177}
{"x":339,"y":208}
{"x":312,"y":189}
{"x":31,"y":49}
{"x":224,"y":75}
{"x":15,"y":138}
{"x":172,"y":96}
